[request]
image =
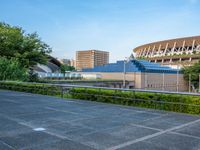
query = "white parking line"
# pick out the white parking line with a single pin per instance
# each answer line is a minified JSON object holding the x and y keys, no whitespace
{"x":151,"y":136}
{"x":39,"y":129}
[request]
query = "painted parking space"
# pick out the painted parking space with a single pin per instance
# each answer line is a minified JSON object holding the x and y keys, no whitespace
{"x":31,"y":121}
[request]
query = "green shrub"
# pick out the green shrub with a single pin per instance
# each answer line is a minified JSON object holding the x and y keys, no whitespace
{"x":10,"y":69}
{"x":31,"y":88}
{"x":169,"y":102}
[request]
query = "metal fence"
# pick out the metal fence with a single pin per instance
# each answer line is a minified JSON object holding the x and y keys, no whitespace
{"x":180,"y":106}
{"x":65,"y":91}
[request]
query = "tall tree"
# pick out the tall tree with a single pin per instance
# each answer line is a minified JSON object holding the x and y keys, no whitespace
{"x":28,"y":49}
{"x":192,"y":73}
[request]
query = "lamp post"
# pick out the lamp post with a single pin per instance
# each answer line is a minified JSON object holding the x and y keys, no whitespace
{"x":124,"y":73}
{"x":177,"y":79}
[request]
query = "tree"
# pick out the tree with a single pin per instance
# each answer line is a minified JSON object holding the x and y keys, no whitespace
{"x":11,"y":40}
{"x":11,"y":69}
{"x":64,"y":68}
{"x":33,"y":77}
{"x":24,"y":50}
{"x":28,"y":49}
{"x":192,"y":72}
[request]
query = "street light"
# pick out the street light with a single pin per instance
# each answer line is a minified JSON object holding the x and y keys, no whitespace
{"x":124,"y":74}
{"x":177,"y":79}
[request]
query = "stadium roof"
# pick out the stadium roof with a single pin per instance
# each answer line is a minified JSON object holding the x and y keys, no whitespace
{"x":132,"y":66}
{"x":188,"y":41}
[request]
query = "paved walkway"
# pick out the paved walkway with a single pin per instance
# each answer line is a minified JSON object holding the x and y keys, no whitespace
{"x":36,"y":122}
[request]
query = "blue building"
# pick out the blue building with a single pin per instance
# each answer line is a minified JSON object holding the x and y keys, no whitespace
{"x":143,"y":74}
{"x":133,"y":66}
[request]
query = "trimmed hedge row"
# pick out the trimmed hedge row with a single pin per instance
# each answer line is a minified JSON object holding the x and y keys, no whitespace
{"x":31,"y":88}
{"x":169,"y":102}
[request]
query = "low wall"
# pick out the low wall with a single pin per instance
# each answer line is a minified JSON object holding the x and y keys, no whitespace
{"x":166,"y":82}
{"x":157,"y":81}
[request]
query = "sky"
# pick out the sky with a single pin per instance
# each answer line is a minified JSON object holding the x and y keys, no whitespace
{"x":116,"y":26}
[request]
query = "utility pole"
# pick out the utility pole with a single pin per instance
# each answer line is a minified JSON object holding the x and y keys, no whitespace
{"x":124,"y":74}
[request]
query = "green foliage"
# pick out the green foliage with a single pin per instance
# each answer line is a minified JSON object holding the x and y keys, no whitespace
{"x":169,"y":102}
{"x":192,"y":72}
{"x":64,"y":68}
{"x":33,"y":77}
{"x":10,"y":69}
{"x":31,"y":88}
{"x":11,"y":40}
{"x":27,"y":48}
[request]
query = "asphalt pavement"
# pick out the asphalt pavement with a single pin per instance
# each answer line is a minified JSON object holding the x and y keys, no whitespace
{"x":37,"y":122}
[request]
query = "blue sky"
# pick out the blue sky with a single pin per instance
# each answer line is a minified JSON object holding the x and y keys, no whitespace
{"x":116,"y":26}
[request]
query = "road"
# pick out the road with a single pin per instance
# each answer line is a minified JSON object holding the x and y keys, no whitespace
{"x":36,"y":122}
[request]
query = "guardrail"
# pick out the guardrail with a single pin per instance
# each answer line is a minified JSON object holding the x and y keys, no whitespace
{"x":124,"y":89}
{"x":119,"y":89}
{"x":70,"y":91}
{"x":63,"y":86}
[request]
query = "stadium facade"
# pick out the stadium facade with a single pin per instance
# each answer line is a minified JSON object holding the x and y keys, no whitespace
{"x":175,"y":52}
{"x":52,"y":66}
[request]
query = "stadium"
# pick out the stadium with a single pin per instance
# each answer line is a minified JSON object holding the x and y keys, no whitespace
{"x":175,"y":52}
{"x":52,"y":66}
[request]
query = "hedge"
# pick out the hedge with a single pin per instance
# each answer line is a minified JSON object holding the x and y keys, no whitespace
{"x":31,"y":88}
{"x":170,"y":102}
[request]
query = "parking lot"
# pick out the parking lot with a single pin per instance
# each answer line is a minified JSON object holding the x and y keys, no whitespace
{"x":37,"y":122}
